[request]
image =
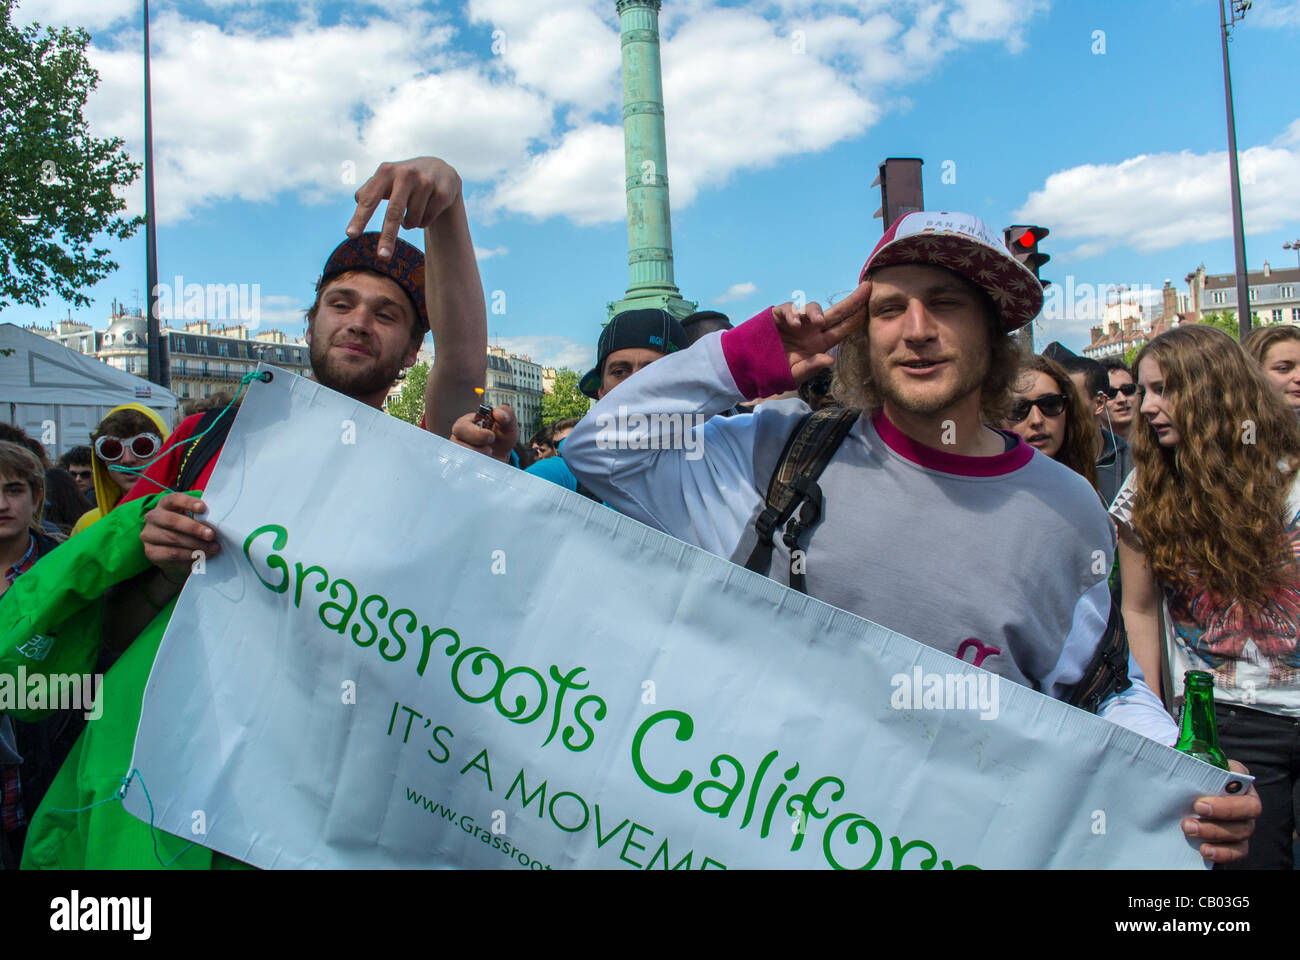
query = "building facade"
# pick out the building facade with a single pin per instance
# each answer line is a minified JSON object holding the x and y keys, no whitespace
{"x":1129,"y":325}
{"x":202,"y":361}
{"x":1274,"y":294}
{"x":517,"y":381}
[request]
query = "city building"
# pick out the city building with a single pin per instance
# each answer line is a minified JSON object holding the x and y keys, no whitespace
{"x":1274,"y":294}
{"x":202,"y":361}
{"x":1128,"y":324}
{"x":517,"y":381}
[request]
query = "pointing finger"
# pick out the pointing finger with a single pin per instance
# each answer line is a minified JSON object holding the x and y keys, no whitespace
{"x":368,"y":196}
{"x":397,"y":198}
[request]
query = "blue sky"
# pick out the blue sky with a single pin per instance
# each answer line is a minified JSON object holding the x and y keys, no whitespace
{"x":777,"y":111}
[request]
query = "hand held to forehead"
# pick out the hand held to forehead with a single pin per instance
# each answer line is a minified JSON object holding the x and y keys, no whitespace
{"x":809,"y":334}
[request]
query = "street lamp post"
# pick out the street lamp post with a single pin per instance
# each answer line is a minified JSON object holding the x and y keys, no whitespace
{"x":157,"y":356}
{"x":1239,"y":8}
{"x":1293,"y":245}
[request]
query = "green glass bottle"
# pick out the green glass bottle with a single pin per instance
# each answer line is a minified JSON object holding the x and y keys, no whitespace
{"x":1198,"y":737}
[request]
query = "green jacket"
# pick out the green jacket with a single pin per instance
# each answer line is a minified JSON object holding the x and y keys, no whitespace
{"x":50,"y":622}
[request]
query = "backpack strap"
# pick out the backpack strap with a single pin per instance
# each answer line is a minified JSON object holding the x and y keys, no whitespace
{"x":207,"y":447}
{"x":794,"y":482}
{"x":586,"y":492}
{"x":1107,"y":673}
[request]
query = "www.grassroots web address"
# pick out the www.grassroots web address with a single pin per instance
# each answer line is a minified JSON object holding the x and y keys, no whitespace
{"x":466,"y":823}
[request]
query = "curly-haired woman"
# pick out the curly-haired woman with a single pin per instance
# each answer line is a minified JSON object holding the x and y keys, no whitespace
{"x":1210,"y":517}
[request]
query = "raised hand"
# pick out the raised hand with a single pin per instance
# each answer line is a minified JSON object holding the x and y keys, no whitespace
{"x":417,"y":191}
{"x":810,"y":333}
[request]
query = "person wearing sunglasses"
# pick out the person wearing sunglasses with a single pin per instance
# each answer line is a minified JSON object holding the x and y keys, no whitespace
{"x":79,"y":463}
{"x":1114,"y":459}
{"x":1121,"y":398}
{"x":125,"y":443}
{"x":1050,"y":415}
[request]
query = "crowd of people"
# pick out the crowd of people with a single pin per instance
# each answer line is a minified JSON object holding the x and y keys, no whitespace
{"x":963,"y":492}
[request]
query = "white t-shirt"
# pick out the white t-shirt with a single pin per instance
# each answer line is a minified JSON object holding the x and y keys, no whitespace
{"x":1254,"y":659}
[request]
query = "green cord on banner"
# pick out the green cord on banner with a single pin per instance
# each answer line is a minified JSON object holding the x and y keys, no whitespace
{"x":119,"y":796}
{"x":244,"y":381}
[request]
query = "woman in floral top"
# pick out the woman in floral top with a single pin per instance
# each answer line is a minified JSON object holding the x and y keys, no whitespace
{"x":1209,"y":522}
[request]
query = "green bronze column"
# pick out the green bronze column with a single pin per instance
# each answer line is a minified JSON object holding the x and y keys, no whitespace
{"x":649,"y":230}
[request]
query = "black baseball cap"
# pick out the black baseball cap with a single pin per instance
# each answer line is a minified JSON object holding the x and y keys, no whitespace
{"x":405,"y":268}
{"x":652,"y":328}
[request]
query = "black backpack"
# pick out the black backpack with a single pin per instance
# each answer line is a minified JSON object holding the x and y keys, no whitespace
{"x":207,"y":446}
{"x":810,"y":448}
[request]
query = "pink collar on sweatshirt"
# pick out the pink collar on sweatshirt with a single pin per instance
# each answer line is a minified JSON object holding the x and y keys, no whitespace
{"x":932,"y":459}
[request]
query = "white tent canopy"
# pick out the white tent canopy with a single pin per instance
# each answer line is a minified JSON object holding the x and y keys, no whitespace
{"x":59,"y":395}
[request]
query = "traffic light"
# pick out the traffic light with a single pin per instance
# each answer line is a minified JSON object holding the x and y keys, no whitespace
{"x":1023,"y":242}
{"x":899,"y":181}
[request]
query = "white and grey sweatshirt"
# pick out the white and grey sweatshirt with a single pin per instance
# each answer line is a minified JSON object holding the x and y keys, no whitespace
{"x":1001,"y":561}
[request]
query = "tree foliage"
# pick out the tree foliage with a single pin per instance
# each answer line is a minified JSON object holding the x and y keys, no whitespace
{"x":56,"y":181}
{"x":409,"y":405}
{"x":565,"y":399}
{"x":1225,"y":321}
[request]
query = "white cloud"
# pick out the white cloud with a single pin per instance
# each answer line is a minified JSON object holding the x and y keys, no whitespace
{"x":281,"y":121}
{"x":580,"y":178}
{"x":1274,"y":13}
{"x":737,"y":291}
{"x":1158,"y":201}
{"x":551,"y":351}
{"x":487,"y":253}
{"x":259,"y":106}
{"x":91,"y":14}
{"x":565,"y":49}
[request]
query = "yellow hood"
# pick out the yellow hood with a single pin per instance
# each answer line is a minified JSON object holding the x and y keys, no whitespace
{"x":107,"y":492}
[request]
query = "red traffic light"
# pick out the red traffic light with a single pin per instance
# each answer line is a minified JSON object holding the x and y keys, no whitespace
{"x":1022,"y":240}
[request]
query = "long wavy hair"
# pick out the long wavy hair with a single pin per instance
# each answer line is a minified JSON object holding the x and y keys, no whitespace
{"x":1079,"y":449}
{"x":1211,"y":511}
{"x":1262,"y":339}
{"x":854,"y":386}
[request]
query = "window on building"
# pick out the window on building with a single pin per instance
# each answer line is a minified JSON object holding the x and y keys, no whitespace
{"x":203,"y":347}
{"x":1252,"y":294}
{"x":1295,"y":314}
{"x":1277,"y":316}
{"x":1287,"y":292}
{"x":225,"y":349}
{"x":1218,"y":297}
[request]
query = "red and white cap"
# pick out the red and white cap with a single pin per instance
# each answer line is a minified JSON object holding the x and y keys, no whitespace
{"x":963,"y":244}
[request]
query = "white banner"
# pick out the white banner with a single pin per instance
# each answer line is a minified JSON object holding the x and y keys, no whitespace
{"x":409,"y":655}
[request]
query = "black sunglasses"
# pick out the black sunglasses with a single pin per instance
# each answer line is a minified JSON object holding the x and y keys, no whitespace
{"x":1128,"y":389}
{"x":1052,"y":405}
